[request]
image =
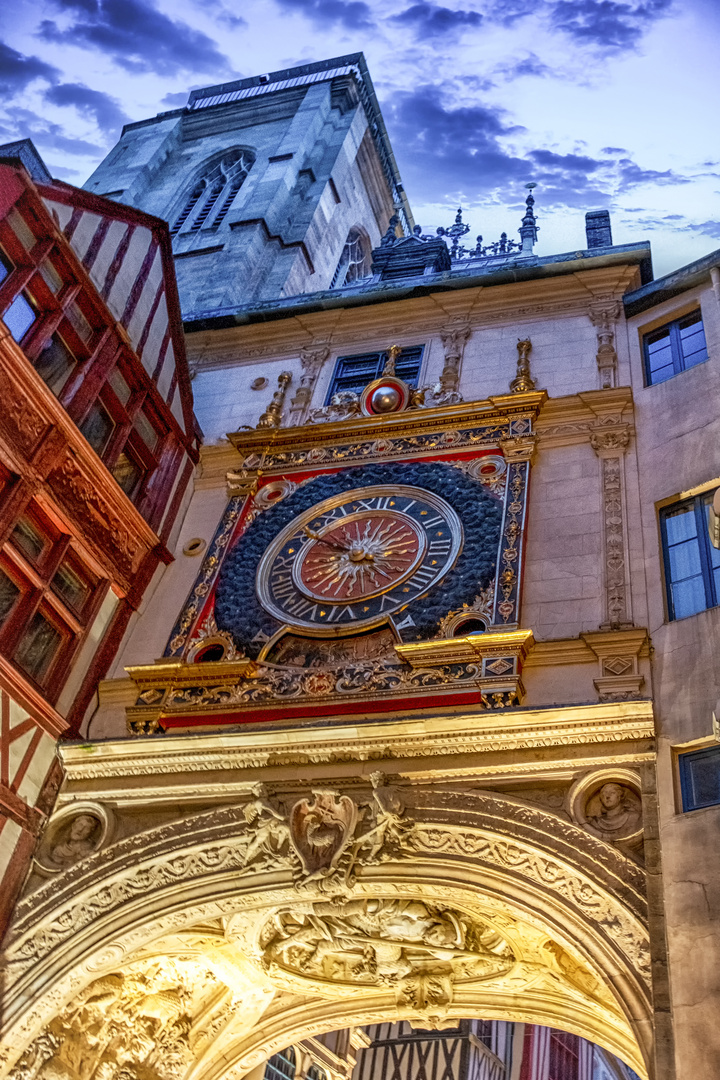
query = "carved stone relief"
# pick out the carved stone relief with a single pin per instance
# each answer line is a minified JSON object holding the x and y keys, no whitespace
{"x":416,"y":948}
{"x":74,"y":833}
{"x":604,"y":314}
{"x":140,"y":1024}
{"x":610,"y":446}
{"x":312,"y":360}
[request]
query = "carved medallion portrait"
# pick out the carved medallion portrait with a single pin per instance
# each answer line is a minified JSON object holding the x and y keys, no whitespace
{"x":608,"y":805}
{"x":73,"y":835}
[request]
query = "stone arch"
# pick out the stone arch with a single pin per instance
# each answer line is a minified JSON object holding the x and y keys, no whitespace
{"x":208,"y":199}
{"x":560,"y":916}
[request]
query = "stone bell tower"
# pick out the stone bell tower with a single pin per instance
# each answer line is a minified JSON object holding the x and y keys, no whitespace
{"x":273,"y":186}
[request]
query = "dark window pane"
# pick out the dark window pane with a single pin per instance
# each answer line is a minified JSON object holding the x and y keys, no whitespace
{"x":700,"y":777}
{"x":675,"y":347}
{"x":71,"y":586}
{"x":38,"y":647}
{"x":119,"y":385}
{"x":19,"y":317}
{"x":128,"y":474}
{"x":22,"y":230}
{"x":5,"y":266}
{"x":355,"y":372}
{"x":78,"y":322}
{"x":97,"y":427}
{"x":55,"y":363}
{"x":9,"y":593}
{"x":29,"y":538}
{"x":684,"y":560}
{"x":50,"y":276}
{"x":146,"y":431}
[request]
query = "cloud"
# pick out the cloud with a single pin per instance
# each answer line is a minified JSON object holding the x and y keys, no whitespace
{"x":466,"y":153}
{"x":49,"y":136}
{"x":431,"y":20}
{"x":531,"y":65}
{"x":632,"y":175}
{"x":17,"y":71}
{"x":135,"y":35}
{"x":607,"y":24}
{"x":92,"y":104}
{"x":176,"y":101}
{"x":350,"y":14}
{"x":613,"y":150}
{"x":707,"y":228}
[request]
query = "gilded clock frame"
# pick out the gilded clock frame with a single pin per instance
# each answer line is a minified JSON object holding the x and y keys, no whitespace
{"x":432,"y":500}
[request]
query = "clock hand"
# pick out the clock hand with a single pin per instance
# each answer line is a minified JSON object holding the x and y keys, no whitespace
{"x":321,"y":540}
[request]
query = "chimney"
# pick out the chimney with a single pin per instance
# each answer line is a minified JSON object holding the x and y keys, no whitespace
{"x":597,"y":229}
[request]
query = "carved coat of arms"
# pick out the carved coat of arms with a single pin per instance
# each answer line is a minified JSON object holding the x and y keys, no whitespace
{"x":321,"y":829}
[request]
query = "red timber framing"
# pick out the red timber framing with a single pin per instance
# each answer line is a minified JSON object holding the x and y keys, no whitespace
{"x":97,"y":445}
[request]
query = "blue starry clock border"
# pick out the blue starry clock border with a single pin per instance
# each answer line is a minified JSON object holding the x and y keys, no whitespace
{"x":238,"y":611}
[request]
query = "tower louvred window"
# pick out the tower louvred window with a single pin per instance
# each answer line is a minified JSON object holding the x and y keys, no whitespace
{"x":208,"y":203}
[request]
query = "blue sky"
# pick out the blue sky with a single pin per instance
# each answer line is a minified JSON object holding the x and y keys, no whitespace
{"x":602,"y":103}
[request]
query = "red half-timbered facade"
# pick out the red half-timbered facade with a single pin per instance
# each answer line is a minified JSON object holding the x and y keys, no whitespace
{"x":97,"y":446}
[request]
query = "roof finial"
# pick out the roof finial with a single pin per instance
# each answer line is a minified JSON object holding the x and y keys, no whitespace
{"x":392,"y":355}
{"x":523,"y":382}
{"x":390,"y":236}
{"x":528,"y":229}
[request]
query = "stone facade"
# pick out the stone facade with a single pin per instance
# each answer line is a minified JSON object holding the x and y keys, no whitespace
{"x":482,"y":819}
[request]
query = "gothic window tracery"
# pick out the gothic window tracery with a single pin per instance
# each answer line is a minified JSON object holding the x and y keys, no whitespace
{"x":208,"y":203}
{"x":355,"y":259}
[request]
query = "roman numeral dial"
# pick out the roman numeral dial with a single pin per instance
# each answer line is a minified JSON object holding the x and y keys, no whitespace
{"x":355,"y":559}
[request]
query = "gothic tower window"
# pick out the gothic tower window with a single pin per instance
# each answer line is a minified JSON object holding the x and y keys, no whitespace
{"x":354,"y":261}
{"x":214,"y":192}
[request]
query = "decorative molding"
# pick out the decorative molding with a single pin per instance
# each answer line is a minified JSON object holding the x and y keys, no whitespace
{"x":610,"y":445}
{"x":618,"y":653}
{"x":343,"y":741}
{"x":390,"y":436}
{"x":604,"y":313}
{"x":312,"y":359}
{"x":454,"y":339}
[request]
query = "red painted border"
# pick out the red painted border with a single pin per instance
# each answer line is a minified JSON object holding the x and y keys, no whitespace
{"x":313,"y":712}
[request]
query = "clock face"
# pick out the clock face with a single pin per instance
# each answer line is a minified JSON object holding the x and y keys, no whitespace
{"x":351,"y":561}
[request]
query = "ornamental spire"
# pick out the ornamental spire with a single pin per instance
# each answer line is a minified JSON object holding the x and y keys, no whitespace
{"x":528,"y":229}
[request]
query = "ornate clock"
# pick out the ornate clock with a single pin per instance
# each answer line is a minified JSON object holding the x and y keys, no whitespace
{"x":398,"y":544}
{"x":350,"y":561}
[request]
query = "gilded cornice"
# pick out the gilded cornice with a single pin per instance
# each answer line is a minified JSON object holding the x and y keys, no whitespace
{"x":420,"y":736}
{"x":411,"y":431}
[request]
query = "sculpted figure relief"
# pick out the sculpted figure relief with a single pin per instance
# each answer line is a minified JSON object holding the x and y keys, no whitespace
{"x":321,"y":829}
{"x":614,"y":812}
{"x":327,"y":834}
{"x":399,"y":943}
{"x":79,"y":838}
{"x":135,"y":1024}
{"x":389,"y":827}
{"x":271,"y":836}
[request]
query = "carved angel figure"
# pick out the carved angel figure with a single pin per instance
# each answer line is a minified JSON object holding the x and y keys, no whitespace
{"x":389,"y":824}
{"x":272,"y":834}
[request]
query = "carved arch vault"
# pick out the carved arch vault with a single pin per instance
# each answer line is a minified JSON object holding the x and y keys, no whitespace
{"x":479,"y":905}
